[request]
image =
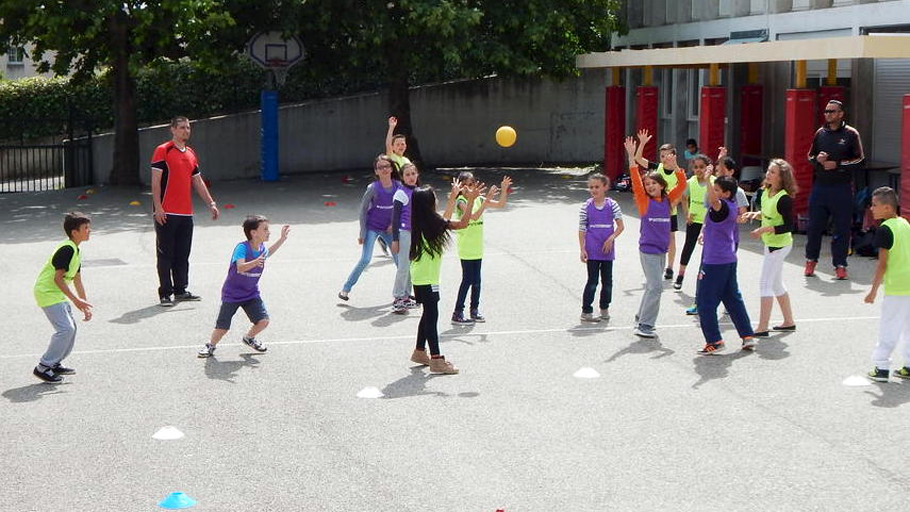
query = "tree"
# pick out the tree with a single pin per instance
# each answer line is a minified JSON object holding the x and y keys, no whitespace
{"x":404,"y":42}
{"x":84,"y":37}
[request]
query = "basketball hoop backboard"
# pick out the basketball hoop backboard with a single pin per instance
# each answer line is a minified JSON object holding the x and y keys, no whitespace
{"x":271,"y":50}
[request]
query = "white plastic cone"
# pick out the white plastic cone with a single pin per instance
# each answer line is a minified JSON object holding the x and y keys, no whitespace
{"x":370,"y":392}
{"x":586,"y":373}
{"x":167,"y":434}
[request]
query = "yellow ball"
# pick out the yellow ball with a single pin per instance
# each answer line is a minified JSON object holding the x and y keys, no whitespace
{"x":505,"y":136}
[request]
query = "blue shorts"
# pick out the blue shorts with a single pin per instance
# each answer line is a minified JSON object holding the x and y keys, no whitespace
{"x":254,"y":309}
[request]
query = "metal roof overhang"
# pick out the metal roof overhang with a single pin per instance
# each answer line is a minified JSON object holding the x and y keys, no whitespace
{"x":852,"y":47}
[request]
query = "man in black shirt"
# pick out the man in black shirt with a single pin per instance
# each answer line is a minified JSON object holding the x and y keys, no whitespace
{"x":836,"y":152}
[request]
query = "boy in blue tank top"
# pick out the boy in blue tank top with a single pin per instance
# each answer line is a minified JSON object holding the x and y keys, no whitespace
{"x":717,"y":277}
{"x":241,"y":287}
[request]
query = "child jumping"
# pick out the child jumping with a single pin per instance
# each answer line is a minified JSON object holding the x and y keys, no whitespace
{"x":430,"y":236}
{"x":599,"y":224}
{"x":241,"y":287}
{"x":470,"y":245}
{"x":694,"y":210}
{"x":717,"y":277}
{"x":776,"y":233}
{"x":893,"y":241}
{"x":401,"y":238}
{"x":375,"y":218}
{"x":52,"y":291}
{"x":653,"y":203}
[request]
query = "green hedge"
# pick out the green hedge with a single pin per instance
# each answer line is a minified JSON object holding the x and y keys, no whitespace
{"x":37,"y":107}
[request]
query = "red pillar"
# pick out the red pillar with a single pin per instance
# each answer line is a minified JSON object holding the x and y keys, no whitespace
{"x":827,"y":93}
{"x":798,"y":134}
{"x":751,"y":99}
{"x":614,"y":131}
{"x":904,"y":184}
{"x":712,"y":115}
{"x":646,"y":117}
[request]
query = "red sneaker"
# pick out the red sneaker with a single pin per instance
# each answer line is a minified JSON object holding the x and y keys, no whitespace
{"x":810,"y":268}
{"x":841,"y":273}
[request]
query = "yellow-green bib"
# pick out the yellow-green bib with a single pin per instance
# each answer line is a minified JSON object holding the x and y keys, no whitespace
{"x":470,"y":239}
{"x":46,"y":291}
{"x":897,"y":274}
{"x":771,"y":217}
{"x":697,"y":193}
{"x":671,"y":180}
{"x":426,"y":269}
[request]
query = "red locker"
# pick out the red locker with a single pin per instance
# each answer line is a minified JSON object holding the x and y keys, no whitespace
{"x":712,"y":117}
{"x":615,"y":161}
{"x":751,"y":99}
{"x":904,"y":184}
{"x":646,"y":117}
{"x":799,"y":131}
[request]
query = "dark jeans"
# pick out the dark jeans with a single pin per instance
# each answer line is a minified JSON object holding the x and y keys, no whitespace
{"x":830,"y":201}
{"x":692,"y":232}
{"x":716,"y":284}
{"x":174,"y":240}
{"x":428,"y":296}
{"x":470,"y":278}
{"x":604,"y":270}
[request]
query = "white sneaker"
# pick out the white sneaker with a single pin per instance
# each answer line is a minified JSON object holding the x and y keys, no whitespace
{"x":641,"y":333}
{"x":589,"y":317}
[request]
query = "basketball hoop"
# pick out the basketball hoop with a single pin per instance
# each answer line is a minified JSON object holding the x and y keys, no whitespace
{"x":279,"y":69}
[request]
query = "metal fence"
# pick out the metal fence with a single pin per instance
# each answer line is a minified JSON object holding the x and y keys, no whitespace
{"x":45,"y":154}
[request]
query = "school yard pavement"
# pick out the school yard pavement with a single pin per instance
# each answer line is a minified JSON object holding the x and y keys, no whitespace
{"x":658,"y":428}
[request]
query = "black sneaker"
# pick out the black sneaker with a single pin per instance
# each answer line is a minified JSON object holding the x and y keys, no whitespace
{"x":678,"y":284}
{"x":459,"y":319}
{"x":668,"y":274}
{"x":59,"y":369}
{"x":47,"y":375}
{"x":186,"y":297}
{"x":166,"y":302}
{"x":878,"y":375}
{"x":477,"y":317}
{"x":254,"y":344}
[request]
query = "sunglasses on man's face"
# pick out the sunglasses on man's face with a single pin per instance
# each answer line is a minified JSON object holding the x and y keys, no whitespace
{"x":829,"y":111}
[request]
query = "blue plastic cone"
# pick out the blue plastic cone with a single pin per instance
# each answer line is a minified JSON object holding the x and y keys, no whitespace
{"x":176,"y":500}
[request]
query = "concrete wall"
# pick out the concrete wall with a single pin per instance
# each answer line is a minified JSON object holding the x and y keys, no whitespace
{"x":557,"y":122}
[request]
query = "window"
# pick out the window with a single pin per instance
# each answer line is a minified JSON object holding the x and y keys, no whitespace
{"x":666,"y":93}
{"x":695,"y":79}
{"x":15,"y":56}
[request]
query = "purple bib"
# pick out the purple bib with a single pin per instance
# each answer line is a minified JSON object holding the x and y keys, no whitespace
{"x":655,"y":228}
{"x":379,"y":216}
{"x":720,"y":239}
{"x":600,"y":228}
{"x":406,"y":209}
{"x":242,"y":286}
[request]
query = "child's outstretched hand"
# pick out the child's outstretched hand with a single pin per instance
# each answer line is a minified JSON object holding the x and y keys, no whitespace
{"x":493,"y":191}
{"x":393,"y":122}
{"x":505,"y":184}
{"x":284,"y":231}
{"x":456,"y":188}
{"x":643,"y":136}
{"x":630,"y":146}
{"x":721,"y":153}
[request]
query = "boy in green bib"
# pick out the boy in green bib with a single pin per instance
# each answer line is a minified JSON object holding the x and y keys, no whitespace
{"x":52,"y":291}
{"x":893,"y":241}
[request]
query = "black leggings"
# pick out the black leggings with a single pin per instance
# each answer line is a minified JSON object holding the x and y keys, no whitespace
{"x":428,"y":296}
{"x":692,"y":232}
{"x":470,"y":279}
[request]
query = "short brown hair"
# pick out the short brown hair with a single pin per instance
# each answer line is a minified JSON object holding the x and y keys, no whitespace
{"x":399,"y":136}
{"x":602,"y":178}
{"x":251,"y":224}
{"x":176,"y":120}
{"x":72,"y":221}
{"x":667,"y":147}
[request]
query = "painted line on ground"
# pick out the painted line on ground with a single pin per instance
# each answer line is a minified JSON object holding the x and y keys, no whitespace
{"x":441,"y":336}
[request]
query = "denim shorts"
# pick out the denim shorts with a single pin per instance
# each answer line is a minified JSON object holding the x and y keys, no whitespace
{"x":254,"y":309}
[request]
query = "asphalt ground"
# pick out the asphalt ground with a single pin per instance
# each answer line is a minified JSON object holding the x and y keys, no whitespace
{"x":660,"y":428}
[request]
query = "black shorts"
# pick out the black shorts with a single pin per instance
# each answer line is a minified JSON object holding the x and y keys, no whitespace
{"x":254,"y":309}
{"x":424,"y":293}
{"x":674,"y":224}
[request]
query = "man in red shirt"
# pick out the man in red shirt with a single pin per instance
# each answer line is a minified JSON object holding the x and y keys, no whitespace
{"x":175,"y":171}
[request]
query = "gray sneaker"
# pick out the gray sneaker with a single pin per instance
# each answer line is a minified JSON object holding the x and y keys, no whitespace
{"x":643,"y":333}
{"x":207,"y":351}
{"x":254,"y":344}
{"x":604,"y":314}
{"x":589,"y":317}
